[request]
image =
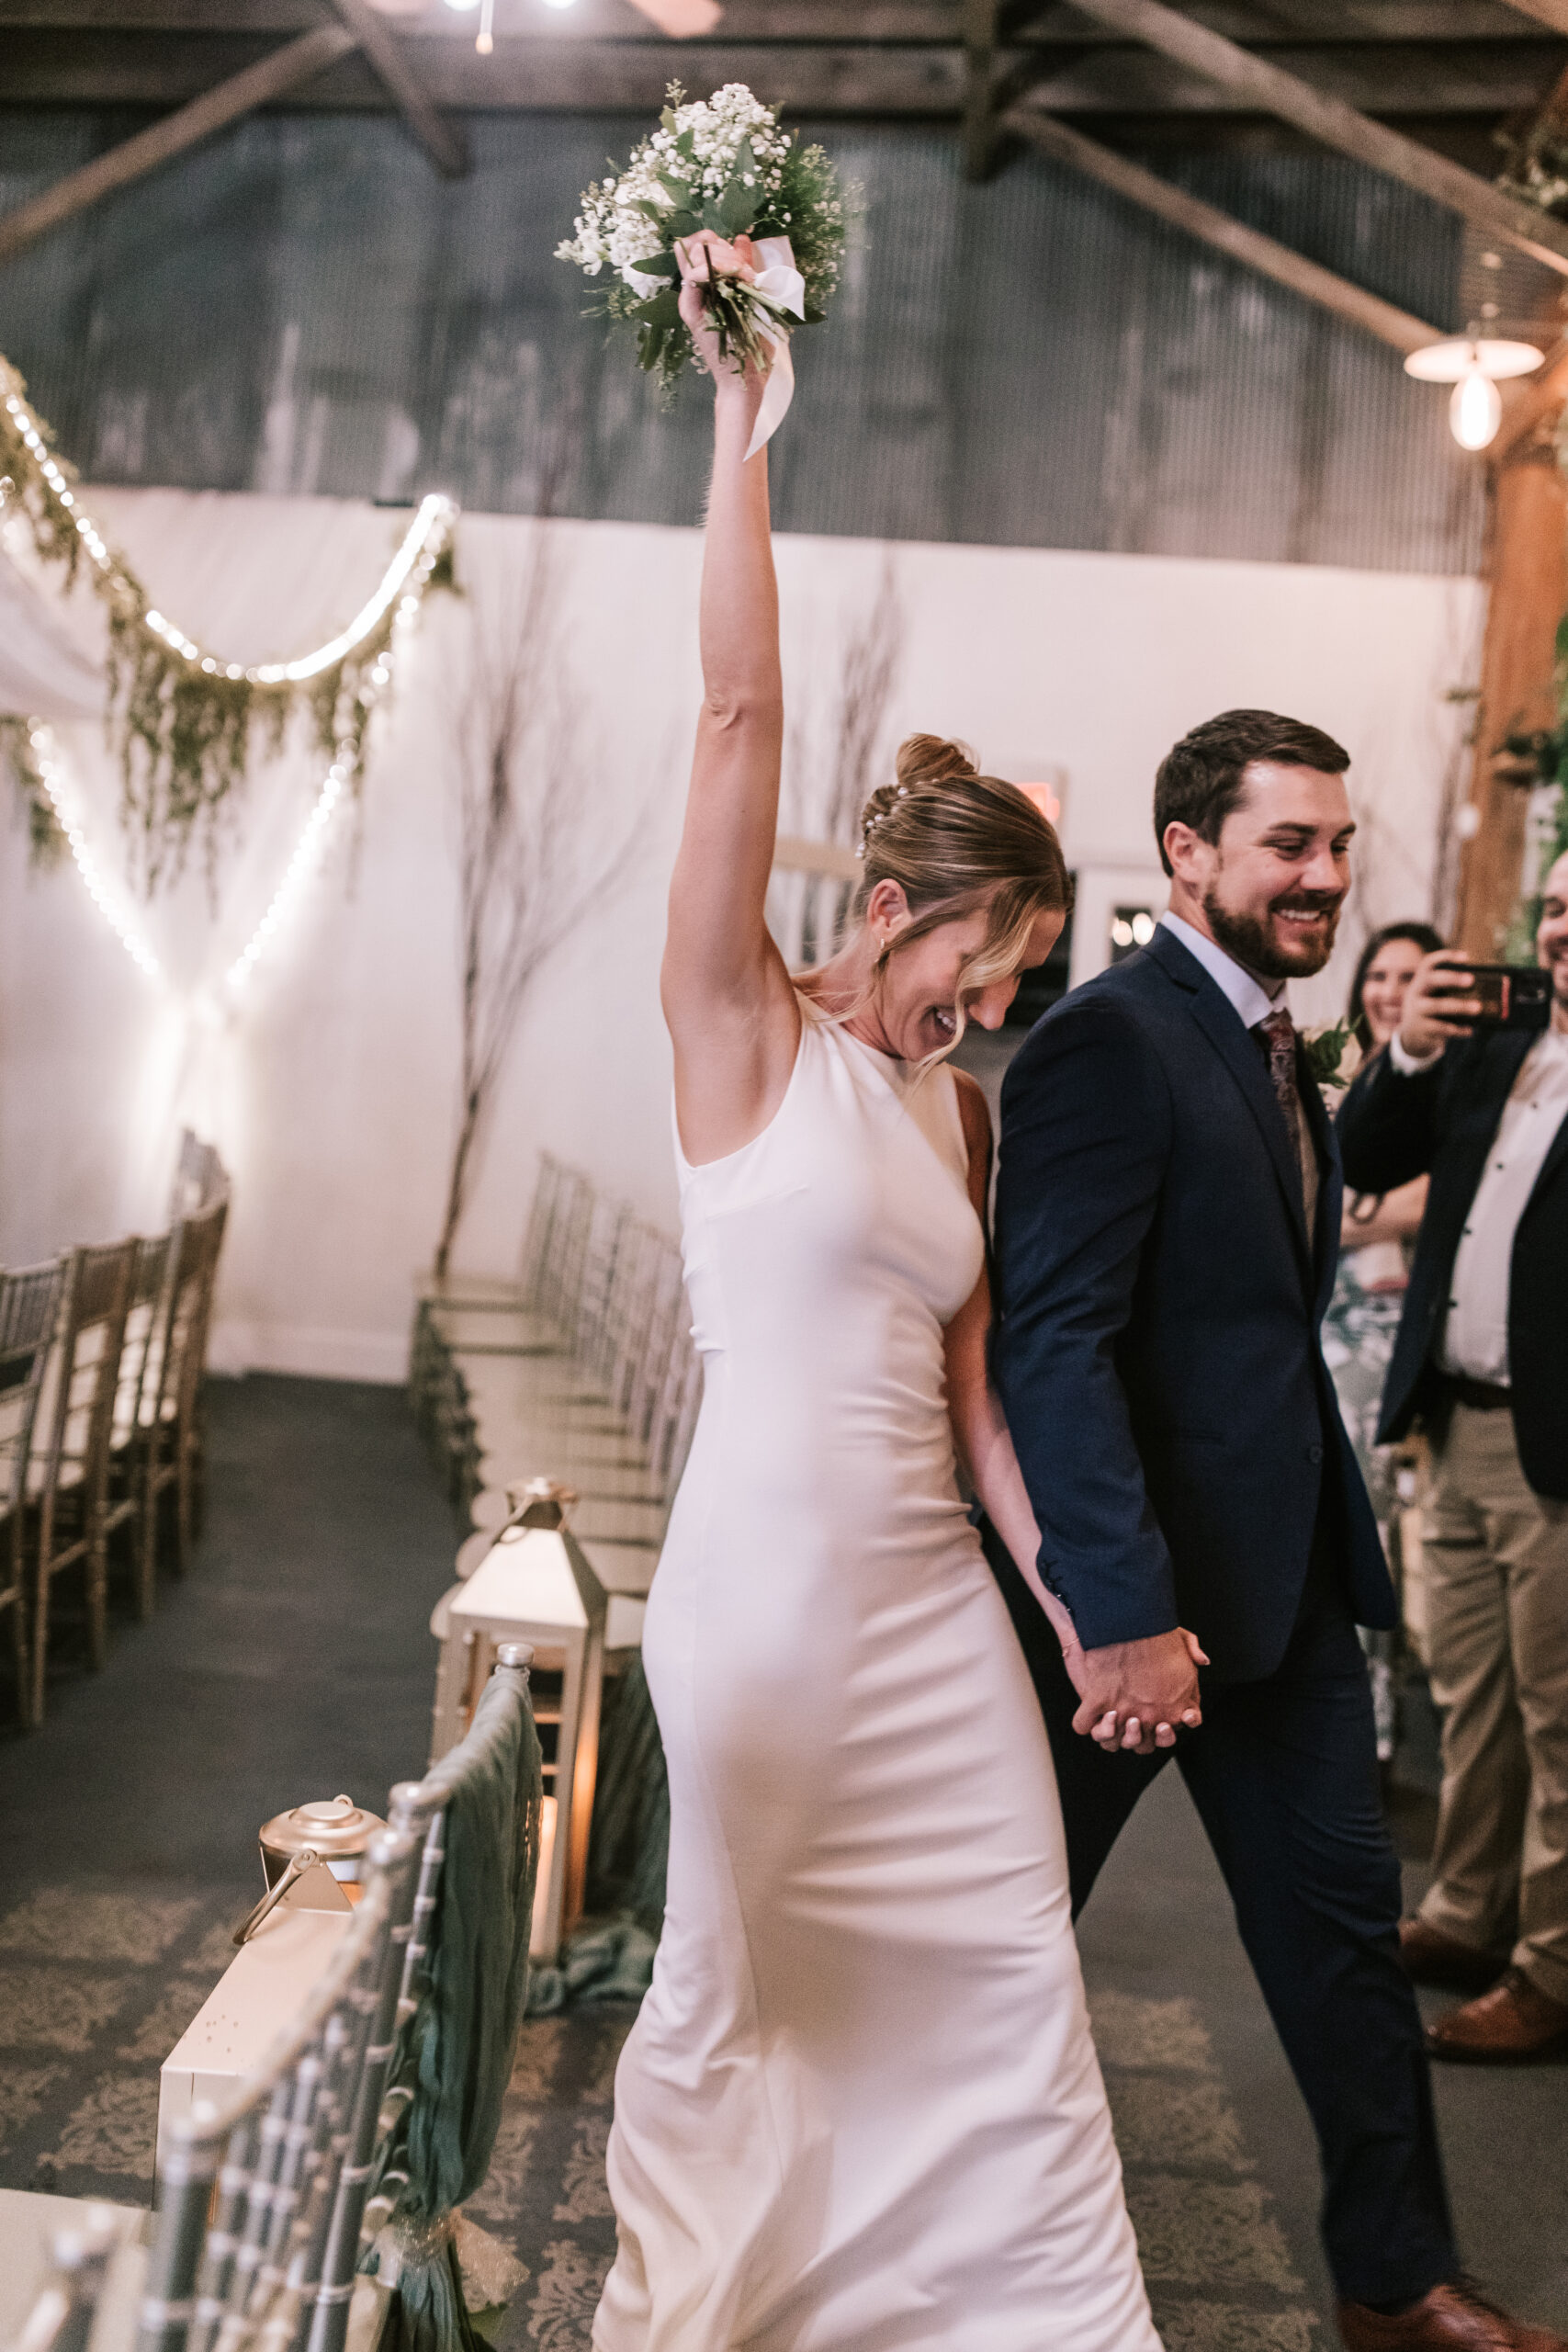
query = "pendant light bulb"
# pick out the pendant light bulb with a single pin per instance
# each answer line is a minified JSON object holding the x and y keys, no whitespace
{"x":1475,"y":410}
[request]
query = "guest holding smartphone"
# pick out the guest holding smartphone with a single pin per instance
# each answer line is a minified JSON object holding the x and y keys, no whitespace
{"x":1481,"y":1362}
{"x":1377,"y":1234}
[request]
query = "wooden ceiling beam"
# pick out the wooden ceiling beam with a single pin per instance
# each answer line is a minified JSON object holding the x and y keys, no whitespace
{"x":1219,"y":229}
{"x":1554,"y":13}
{"x":443,"y":142}
{"x":272,"y":77}
{"x":1267,"y":86}
{"x":109,"y":65}
{"x":1413,"y":24}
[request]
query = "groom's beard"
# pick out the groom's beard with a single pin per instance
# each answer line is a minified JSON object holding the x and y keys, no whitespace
{"x":1256,"y":941}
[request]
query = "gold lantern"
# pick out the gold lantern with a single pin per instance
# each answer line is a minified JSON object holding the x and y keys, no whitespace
{"x":535,"y":1585}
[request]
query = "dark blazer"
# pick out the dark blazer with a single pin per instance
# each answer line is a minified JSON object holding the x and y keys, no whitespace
{"x":1441,"y":1122}
{"x":1156,"y":1345}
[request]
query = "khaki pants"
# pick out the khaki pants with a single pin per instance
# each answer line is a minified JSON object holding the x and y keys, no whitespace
{"x":1495,"y":1558}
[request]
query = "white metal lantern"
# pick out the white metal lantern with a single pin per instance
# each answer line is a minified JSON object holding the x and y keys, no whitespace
{"x":535,"y":1585}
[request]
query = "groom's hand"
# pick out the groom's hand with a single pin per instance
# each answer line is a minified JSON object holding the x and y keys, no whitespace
{"x":1136,"y":1695}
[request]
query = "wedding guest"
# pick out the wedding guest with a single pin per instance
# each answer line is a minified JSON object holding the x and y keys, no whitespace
{"x":1481,"y":1362}
{"x":1376,"y":1233}
{"x":1376,"y":1229}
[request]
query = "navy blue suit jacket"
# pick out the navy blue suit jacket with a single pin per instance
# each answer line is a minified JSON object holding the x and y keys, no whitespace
{"x":1157,"y":1342}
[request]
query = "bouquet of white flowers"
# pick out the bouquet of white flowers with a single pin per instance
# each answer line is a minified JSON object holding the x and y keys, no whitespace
{"x":721,"y":164}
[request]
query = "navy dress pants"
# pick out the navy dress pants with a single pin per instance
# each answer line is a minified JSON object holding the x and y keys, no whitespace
{"x":1283,"y":1773}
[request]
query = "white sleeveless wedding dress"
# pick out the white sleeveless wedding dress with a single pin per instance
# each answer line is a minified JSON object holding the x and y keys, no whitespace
{"x":859,"y":2110}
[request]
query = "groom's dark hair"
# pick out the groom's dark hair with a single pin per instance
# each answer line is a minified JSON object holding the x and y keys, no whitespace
{"x":1197,"y":783}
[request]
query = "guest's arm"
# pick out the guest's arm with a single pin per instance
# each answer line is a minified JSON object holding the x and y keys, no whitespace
{"x":1387,"y":1129}
{"x":1387,"y":1125}
{"x":1393,"y":1217}
{"x":1087,"y":1133}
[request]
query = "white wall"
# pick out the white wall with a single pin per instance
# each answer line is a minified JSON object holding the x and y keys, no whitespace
{"x":331,"y":1086}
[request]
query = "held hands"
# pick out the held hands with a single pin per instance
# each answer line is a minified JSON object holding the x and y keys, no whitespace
{"x":1438,"y":1005}
{"x":702,"y":257}
{"x":1136,"y":1695}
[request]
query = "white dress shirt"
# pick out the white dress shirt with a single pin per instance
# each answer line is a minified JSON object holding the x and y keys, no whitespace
{"x":1247,"y":992}
{"x":1475,"y":1330}
{"x":1254,"y":1002}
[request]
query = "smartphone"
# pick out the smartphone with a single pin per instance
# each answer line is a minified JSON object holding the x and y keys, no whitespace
{"x":1512,"y":996}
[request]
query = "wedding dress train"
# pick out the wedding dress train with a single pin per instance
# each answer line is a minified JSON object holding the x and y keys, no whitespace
{"x":859,"y":2110}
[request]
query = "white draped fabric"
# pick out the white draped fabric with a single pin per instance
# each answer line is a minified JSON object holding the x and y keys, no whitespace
{"x":44,"y":674}
{"x":331,"y":1085}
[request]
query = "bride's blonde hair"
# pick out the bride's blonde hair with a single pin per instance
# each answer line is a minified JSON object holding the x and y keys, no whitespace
{"x":955,"y":841}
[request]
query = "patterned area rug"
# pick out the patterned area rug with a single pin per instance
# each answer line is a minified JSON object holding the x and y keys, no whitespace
{"x":97,"y":1984}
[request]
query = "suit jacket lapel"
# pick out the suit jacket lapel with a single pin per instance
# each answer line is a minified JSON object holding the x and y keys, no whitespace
{"x":1220,"y":1024}
{"x":1557,"y":1149}
{"x":1330,"y":1189}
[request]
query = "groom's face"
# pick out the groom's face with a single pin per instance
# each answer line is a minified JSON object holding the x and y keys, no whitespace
{"x":1273,"y":885}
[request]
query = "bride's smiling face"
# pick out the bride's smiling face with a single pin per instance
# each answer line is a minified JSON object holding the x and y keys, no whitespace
{"x":915,"y":1008}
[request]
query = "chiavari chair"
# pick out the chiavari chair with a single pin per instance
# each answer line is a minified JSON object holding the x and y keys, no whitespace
{"x":29,"y":1310}
{"x":69,"y":1472}
{"x":251,"y":2187}
{"x":269,"y":2201}
{"x":171,"y":1410}
{"x":140,"y":1365}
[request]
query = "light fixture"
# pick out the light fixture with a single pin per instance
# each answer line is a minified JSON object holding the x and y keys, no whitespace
{"x":1474,"y":364}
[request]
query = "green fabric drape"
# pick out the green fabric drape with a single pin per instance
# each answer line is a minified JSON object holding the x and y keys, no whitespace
{"x":610,"y":1956}
{"x":454,"y":2057}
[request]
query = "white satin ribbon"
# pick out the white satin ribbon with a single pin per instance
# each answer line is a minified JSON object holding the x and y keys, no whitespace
{"x":784,"y":288}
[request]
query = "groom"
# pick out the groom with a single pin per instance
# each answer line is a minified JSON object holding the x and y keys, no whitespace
{"x":1168,"y":1219}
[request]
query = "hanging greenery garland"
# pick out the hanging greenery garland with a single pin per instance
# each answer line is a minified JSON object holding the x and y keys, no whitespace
{"x":183,"y":721}
{"x":46,"y":835}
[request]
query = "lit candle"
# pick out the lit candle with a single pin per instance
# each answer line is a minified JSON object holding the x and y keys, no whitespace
{"x":542,"y":1884}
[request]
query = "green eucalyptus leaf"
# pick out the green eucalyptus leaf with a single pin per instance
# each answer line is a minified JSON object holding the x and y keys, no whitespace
{"x":658,"y":266}
{"x":660,"y":310}
{"x":737,"y":208}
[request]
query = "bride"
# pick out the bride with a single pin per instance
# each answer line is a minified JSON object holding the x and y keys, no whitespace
{"x":861,"y":2107}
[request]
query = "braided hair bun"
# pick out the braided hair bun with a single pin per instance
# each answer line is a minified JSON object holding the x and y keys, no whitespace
{"x":955,"y":841}
{"x":932,"y":759}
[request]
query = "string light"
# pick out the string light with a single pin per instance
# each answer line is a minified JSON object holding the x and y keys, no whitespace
{"x":405,"y":578}
{"x":119,"y":922}
{"x":307,"y":851}
{"x":405,"y":581}
{"x":412,"y":566}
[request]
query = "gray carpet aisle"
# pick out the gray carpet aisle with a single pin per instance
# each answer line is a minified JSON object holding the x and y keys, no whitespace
{"x":294,"y":1661}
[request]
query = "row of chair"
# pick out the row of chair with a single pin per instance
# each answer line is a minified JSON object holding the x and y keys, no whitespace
{"x":375,"y":2110}
{"x":582,"y":1370}
{"x":101,"y":1357}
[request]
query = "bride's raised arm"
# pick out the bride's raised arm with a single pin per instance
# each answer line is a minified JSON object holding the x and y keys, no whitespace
{"x":727,"y":995}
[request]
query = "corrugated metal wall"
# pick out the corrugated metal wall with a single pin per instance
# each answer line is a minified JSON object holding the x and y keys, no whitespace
{"x":303,"y":306}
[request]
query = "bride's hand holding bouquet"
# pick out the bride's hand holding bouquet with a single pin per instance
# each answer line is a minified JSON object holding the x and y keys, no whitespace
{"x":706,"y":261}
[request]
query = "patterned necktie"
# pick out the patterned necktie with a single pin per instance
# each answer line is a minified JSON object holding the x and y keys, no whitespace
{"x":1279,"y":1035}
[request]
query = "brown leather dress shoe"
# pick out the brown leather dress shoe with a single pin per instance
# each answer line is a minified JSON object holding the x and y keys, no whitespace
{"x":1506,"y":2027}
{"x":1430,"y":1957}
{"x":1453,"y":2318}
